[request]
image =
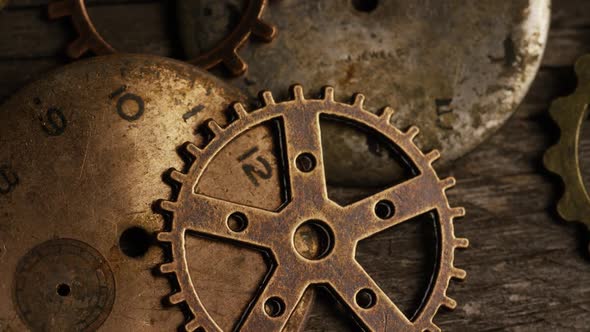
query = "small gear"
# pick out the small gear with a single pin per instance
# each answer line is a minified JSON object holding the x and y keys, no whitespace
{"x":331,"y":261}
{"x":563,"y":158}
{"x":225,"y":52}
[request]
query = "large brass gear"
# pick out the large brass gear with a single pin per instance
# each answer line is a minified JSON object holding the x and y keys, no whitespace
{"x":226,"y":51}
{"x":563,"y":158}
{"x":308,"y":205}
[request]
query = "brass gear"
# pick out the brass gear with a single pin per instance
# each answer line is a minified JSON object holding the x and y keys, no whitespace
{"x":225,"y":52}
{"x":563,"y":158}
{"x":336,"y":268}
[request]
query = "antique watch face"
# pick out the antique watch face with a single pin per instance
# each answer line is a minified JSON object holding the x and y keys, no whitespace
{"x":84,"y":154}
{"x":459,"y":69}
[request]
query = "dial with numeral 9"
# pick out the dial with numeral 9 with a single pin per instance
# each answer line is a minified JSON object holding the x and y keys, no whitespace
{"x":83,"y":153}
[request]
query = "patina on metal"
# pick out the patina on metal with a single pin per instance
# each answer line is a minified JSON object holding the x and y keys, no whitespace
{"x":224,"y":52}
{"x":457,"y":68}
{"x":82,"y":155}
{"x":310,"y":240}
{"x":563,"y":158}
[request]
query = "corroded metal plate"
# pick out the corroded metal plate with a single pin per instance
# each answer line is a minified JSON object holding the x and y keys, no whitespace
{"x":457,"y":69}
{"x":81,"y":164}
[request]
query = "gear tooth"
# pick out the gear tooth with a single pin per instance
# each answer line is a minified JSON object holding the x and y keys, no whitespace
{"x":387,"y":114}
{"x":458,"y":212}
{"x":77,"y":48}
{"x":214,"y":128}
{"x":177,"y":176}
{"x":449,"y":302}
{"x":462,"y":243}
{"x":448,"y":183}
{"x":192,"y":149}
{"x":165,"y":237}
{"x":59,"y":9}
{"x":433,"y":328}
{"x":433,"y":156}
{"x":458,"y":273}
{"x":412,"y":132}
{"x":268,"y":98}
{"x":167,"y":268}
{"x":192,"y":326}
{"x":240,"y":110}
{"x":359,"y":101}
{"x":266,"y":32}
{"x":329,"y":93}
{"x":297,"y":92}
{"x":168,"y":206}
{"x":176,"y":298}
{"x":235,"y":64}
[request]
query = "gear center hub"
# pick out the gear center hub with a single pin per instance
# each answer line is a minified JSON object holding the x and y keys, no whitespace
{"x":313,"y":240}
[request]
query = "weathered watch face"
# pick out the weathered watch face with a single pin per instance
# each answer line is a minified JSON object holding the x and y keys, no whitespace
{"x":84,"y":151}
{"x":458,"y":69}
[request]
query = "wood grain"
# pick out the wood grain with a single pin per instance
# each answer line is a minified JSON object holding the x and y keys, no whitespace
{"x":528,"y":270}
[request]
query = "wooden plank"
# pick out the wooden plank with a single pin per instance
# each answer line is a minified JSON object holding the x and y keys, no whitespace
{"x":528,"y":270}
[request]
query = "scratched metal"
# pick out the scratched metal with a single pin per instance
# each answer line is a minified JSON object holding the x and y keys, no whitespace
{"x":82,"y":156}
{"x":458,"y":69}
{"x":300,"y":265}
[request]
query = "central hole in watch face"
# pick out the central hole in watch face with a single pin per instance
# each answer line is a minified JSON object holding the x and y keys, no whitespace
{"x":63,"y":290}
{"x":313,"y":240}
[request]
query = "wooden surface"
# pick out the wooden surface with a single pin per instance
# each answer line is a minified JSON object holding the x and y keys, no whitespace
{"x":528,"y":270}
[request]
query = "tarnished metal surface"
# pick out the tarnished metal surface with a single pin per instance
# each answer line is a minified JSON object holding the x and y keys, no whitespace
{"x":225,"y":51}
{"x":310,"y":239}
{"x":81,"y":164}
{"x":563,"y":158}
{"x":459,"y":69}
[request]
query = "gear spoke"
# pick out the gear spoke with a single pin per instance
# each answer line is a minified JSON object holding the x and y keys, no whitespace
{"x":370,"y":304}
{"x":304,"y":156}
{"x":228,"y":220}
{"x":274,"y":306}
{"x":391,"y":207}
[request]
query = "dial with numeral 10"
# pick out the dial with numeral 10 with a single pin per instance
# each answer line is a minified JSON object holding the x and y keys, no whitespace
{"x":83,"y":155}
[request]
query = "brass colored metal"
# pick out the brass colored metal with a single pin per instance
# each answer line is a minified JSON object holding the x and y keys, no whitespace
{"x":297,"y":264}
{"x":563,"y":158}
{"x":226,"y":52}
{"x":458,"y":68}
{"x":82,"y":155}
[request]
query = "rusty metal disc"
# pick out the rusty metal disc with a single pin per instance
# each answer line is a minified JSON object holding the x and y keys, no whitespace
{"x":458,"y":69}
{"x":83,"y":153}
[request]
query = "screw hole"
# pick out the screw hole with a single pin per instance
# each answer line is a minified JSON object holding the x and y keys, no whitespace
{"x":305,"y":162}
{"x":366,"y":6}
{"x":63,"y":290}
{"x":366,"y":298}
{"x":274,"y":307}
{"x":237,"y":222}
{"x":135,"y":242}
{"x":384,"y":209}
